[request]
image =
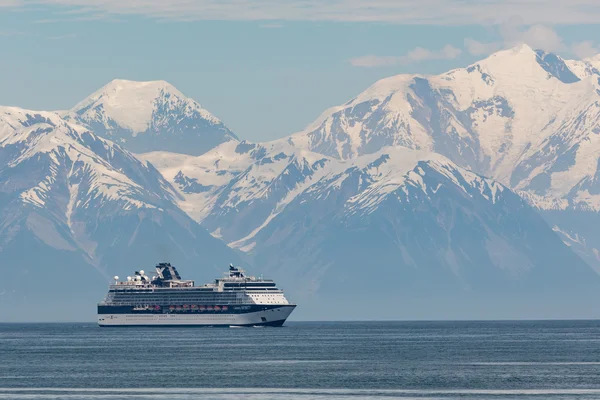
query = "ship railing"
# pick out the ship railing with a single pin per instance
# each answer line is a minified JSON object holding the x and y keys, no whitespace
{"x":177,"y":302}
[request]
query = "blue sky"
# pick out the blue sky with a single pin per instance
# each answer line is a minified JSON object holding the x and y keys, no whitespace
{"x":265,"y":68}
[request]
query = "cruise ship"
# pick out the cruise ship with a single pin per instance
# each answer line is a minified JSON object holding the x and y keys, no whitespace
{"x":167,"y":300}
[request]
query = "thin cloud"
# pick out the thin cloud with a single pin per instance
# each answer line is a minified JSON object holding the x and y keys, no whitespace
{"x":62,"y":37}
{"x":11,"y":33}
{"x":271,"y":26}
{"x":477,"y":48}
{"x":537,"y":36}
{"x":543,"y":37}
{"x":434,"y":12}
{"x":585,"y":49}
{"x":419,"y":54}
{"x":11,"y":3}
{"x":513,"y":33}
{"x":47,"y":21}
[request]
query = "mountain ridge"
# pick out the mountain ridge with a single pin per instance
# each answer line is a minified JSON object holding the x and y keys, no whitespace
{"x":78,"y":209}
{"x":275,"y":200}
{"x":454,"y":187}
{"x":146,"y":116}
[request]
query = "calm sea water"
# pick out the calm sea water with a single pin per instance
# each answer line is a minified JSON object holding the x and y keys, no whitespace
{"x":374,"y":360}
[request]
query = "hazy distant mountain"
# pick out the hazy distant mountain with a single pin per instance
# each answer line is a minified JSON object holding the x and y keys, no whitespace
{"x":236,"y":187}
{"x":148,"y":116}
{"x":333,"y":205}
{"x":410,"y":223}
{"x":520,"y":116}
{"x":527,"y":118}
{"x":76,"y":210}
{"x":472,"y":194}
{"x":396,"y":228}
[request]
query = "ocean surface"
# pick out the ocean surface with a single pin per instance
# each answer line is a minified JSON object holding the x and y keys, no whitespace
{"x":342,"y":360}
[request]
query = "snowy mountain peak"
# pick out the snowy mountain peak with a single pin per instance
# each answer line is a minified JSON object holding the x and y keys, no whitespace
{"x":150,"y":116}
{"x":73,"y":157}
{"x":521,"y":54}
{"x":522,"y":64}
{"x":480,"y":117}
{"x":71,"y":201}
{"x":131,"y":104}
{"x":520,"y":51}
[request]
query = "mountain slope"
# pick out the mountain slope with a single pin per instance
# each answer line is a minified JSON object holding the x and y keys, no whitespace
{"x":233,"y":189}
{"x":584,"y":68}
{"x":326,"y":228}
{"x":526,"y":118}
{"x":148,"y":116}
{"x":76,"y":210}
{"x":399,"y":237}
{"x":336,"y":196}
{"x":481,"y":117}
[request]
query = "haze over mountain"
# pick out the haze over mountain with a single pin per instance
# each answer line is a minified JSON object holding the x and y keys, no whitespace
{"x":463,"y":195}
{"x":325,"y":227}
{"x":481,"y":118}
{"x":520,"y":116}
{"x":527,"y":118}
{"x":76,"y":210}
{"x":148,"y":116}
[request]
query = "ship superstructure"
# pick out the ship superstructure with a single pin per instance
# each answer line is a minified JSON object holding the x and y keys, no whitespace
{"x":166,"y":299}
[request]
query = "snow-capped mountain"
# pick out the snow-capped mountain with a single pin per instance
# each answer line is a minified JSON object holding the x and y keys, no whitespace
{"x":76,"y":210}
{"x":520,"y":116}
{"x":149,"y":116}
{"x":421,"y":237}
{"x":526,"y":118}
{"x":475,"y":190}
{"x":481,"y":117}
{"x":584,"y":68}
{"x":323,"y":226}
{"x":386,"y":176}
{"x":233,"y":189}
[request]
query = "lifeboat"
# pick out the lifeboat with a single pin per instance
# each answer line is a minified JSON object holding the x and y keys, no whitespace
{"x":209,"y":308}
{"x":217,"y":308}
{"x":171,"y":307}
{"x":202,"y":308}
{"x":157,"y":307}
{"x":224,"y":308}
{"x":185,"y":306}
{"x":194,"y":306}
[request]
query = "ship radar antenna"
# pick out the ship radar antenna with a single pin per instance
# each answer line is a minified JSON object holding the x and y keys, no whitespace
{"x":116,"y":278}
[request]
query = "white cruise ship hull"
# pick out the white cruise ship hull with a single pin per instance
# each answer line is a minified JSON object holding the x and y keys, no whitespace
{"x":274,"y":316}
